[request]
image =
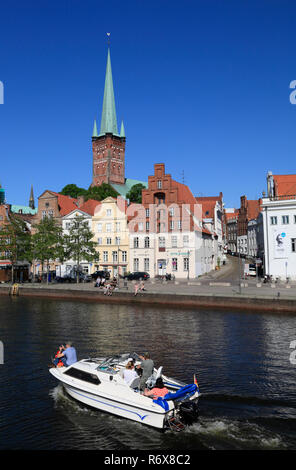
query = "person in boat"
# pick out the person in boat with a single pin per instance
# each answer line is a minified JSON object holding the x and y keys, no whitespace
{"x":67,"y":355}
{"x":129,"y":372}
{"x":147,"y":366}
{"x":159,"y":390}
{"x":59,"y":363}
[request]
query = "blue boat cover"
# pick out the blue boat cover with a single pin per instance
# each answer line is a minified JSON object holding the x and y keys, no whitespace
{"x":183,"y":392}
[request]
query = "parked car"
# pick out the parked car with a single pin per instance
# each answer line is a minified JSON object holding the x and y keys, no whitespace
{"x":138,"y":275}
{"x":72,"y":278}
{"x":252,"y":269}
{"x":101,"y":274}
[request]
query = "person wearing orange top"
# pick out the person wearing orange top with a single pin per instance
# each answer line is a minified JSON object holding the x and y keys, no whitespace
{"x":159,"y":390}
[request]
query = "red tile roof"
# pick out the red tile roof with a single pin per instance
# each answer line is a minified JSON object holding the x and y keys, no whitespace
{"x":208,"y":207}
{"x":285,"y":185}
{"x":253,"y":209}
{"x":89,"y":206}
{"x":66,"y":203}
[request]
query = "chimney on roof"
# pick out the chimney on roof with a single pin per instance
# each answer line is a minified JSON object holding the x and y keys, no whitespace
{"x":270,"y":184}
{"x":80,"y":201}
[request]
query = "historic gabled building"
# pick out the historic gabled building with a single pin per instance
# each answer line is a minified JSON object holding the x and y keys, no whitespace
{"x":166,"y":233}
{"x":109,"y":226}
{"x":249,"y":209}
{"x":108,"y":145}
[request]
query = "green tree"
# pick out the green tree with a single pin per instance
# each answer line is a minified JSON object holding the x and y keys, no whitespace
{"x":15,"y":241}
{"x":78,"y":243}
{"x":135,"y":193}
{"x":100,"y":192}
{"x":47,"y":242}
{"x":73,"y":191}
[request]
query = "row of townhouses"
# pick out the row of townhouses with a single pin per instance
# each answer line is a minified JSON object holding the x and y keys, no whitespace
{"x":264,"y":230}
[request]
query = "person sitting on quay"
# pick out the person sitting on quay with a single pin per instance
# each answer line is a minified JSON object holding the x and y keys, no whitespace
{"x":68,"y":357}
{"x":159,"y":390}
{"x":98,"y":282}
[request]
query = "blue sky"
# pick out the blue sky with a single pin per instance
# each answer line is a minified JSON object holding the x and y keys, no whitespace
{"x":202,"y":86}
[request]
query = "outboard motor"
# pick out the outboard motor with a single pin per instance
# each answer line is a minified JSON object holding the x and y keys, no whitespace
{"x":188,"y":412}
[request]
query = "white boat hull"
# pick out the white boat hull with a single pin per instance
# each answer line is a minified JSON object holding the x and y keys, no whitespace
{"x":123,"y":410}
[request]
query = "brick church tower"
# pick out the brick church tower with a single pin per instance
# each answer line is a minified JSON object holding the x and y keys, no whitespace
{"x":108,"y":146}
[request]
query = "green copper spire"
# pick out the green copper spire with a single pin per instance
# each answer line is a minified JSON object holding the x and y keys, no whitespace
{"x":109,"y":121}
{"x":95,"y":130}
{"x":122,"y":133}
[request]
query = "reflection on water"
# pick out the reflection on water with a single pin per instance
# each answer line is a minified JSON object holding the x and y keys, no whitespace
{"x":241,"y":361}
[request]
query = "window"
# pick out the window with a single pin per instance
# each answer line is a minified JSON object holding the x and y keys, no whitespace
{"x":99,"y":227}
{"x":147,"y":212}
{"x":175,"y":264}
{"x":186,"y":264}
{"x":146,"y":264}
{"x":273,"y":220}
{"x":108,"y":227}
{"x":159,"y":184}
{"x":50,"y":213}
{"x":136,"y":264}
{"x":186,"y":240}
{"x":174,"y":241}
{"x":105,"y":255}
{"x":82,"y":375}
{"x":124,"y":256}
{"x":100,"y":241}
{"x":117,"y":240}
{"x":147,"y":242}
{"x":171,"y":224}
{"x":147,"y":226}
{"x":293,"y":245}
{"x":68,"y":225}
{"x":179,"y":224}
{"x":109,"y":241}
{"x":294,"y":219}
{"x":43,"y":214}
{"x":114,"y":256}
{"x":108,"y":212}
{"x":161,"y":242}
{"x":140,"y":226}
{"x":136,"y":242}
{"x":285,"y":219}
{"x":171,"y":211}
{"x":117,"y":226}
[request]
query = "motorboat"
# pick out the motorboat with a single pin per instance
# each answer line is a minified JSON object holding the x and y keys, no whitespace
{"x":98,"y":382}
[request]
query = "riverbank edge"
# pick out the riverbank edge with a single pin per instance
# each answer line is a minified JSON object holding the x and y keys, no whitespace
{"x":166,"y":300}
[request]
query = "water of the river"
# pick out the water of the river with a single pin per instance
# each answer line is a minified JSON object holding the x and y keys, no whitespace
{"x":241,"y":361}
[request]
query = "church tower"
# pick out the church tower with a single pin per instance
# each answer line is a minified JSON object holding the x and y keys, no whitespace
{"x":31,"y":200}
{"x":108,"y":146}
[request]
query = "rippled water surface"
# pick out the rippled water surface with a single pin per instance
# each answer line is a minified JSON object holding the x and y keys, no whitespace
{"x":241,"y":361}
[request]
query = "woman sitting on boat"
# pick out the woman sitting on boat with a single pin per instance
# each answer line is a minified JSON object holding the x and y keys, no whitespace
{"x":159,"y":390}
{"x":129,"y":372}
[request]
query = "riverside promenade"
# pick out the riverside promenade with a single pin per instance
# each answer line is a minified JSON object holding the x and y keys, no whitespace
{"x":211,"y":291}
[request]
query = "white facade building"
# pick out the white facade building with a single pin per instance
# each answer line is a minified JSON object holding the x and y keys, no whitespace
{"x":279,"y":223}
{"x":67,"y":267}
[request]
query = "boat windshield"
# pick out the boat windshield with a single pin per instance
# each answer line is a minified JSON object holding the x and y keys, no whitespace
{"x":117,"y":359}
